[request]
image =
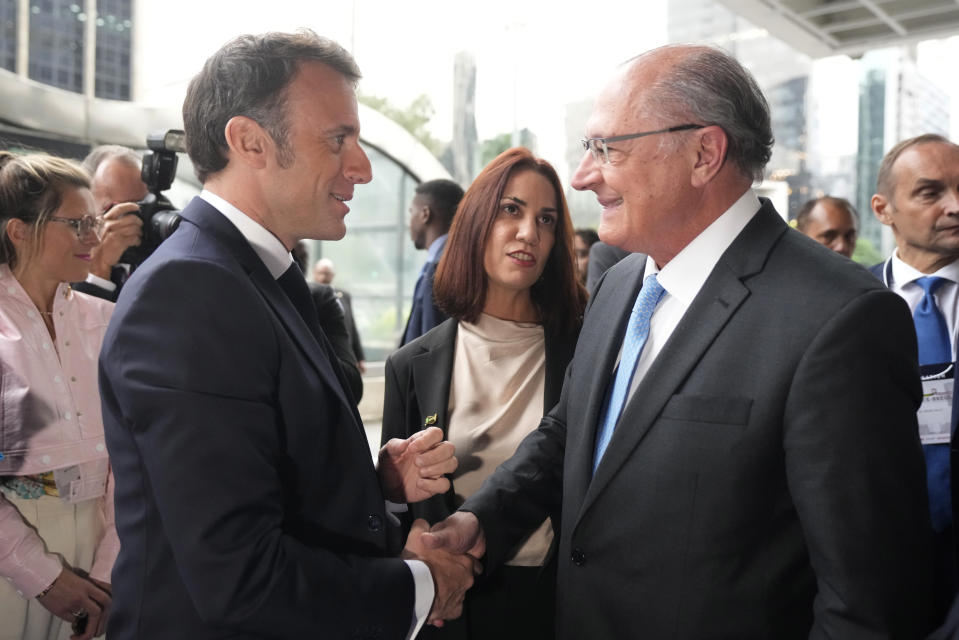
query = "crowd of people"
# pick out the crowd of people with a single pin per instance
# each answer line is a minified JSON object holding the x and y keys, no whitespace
{"x":696,"y":423}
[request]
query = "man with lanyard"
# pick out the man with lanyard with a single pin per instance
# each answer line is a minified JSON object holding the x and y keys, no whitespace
{"x":918,"y":198}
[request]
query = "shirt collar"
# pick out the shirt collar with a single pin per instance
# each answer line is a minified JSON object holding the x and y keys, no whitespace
{"x":12,"y":286}
{"x":903,"y":273}
{"x":684,"y":275}
{"x":435,"y":248}
{"x":266,"y":245}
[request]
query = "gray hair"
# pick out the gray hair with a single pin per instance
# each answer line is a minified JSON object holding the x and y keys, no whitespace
{"x":106,"y":152}
{"x":249,"y":76}
{"x":709,"y":86}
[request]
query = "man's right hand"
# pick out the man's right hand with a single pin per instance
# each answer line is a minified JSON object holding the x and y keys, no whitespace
{"x":452,"y":574}
{"x":120,"y":232}
{"x":460,"y":532}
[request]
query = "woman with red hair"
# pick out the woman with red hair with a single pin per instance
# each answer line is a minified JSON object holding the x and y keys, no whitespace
{"x":488,"y":374}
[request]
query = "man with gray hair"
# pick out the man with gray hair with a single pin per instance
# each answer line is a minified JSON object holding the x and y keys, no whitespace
{"x":707,"y":489}
{"x":117,"y":188}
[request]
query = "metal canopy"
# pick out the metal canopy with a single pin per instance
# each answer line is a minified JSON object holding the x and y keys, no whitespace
{"x":821,"y":28}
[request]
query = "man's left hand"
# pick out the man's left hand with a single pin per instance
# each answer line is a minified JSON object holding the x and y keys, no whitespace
{"x":414,"y":469}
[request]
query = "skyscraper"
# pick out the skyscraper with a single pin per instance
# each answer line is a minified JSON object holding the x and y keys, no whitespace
{"x":895,"y":103}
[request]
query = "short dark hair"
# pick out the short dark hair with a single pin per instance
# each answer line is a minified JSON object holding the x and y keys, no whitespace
{"x":709,"y":86}
{"x":884,"y":182}
{"x":588,"y":236}
{"x":31,"y":190}
{"x":460,"y":285}
{"x":802,"y":218}
{"x":249,"y":76}
{"x":444,"y":195}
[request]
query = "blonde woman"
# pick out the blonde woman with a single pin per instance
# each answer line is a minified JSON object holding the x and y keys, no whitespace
{"x":57,"y":540}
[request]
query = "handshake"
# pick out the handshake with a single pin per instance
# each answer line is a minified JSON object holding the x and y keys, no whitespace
{"x":415,"y":469}
{"x":451,"y":550}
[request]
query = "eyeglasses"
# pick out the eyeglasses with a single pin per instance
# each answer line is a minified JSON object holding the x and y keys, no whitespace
{"x":597,"y":146}
{"x":86,"y":226}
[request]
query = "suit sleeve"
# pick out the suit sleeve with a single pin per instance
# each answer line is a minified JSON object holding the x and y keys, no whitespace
{"x":855,"y":470}
{"x":524,"y":490}
{"x":355,"y":341}
{"x":528,"y":487}
{"x":432,"y":316}
{"x":396,"y":425}
{"x":192,"y":417}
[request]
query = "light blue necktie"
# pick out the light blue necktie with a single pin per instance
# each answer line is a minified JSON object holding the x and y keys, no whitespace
{"x":636,"y":334}
{"x":935,"y":347}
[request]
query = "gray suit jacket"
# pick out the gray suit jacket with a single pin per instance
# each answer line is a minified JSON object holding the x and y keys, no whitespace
{"x":766,"y":479}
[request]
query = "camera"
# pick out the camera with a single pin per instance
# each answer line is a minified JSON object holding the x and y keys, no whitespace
{"x":160,"y":218}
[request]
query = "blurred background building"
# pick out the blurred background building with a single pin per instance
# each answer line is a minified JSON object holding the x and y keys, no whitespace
{"x":845,"y":80}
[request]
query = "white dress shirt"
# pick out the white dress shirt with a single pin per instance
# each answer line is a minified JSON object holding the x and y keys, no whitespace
{"x":684,"y":276}
{"x":277,"y":260}
{"x":901,"y":277}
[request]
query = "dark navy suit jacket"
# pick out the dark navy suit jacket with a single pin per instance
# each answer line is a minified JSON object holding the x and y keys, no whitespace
{"x":424,"y":314}
{"x":246,"y":499}
{"x":944,"y":544}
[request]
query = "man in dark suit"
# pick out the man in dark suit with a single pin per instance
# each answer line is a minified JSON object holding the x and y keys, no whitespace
{"x":601,"y":257}
{"x":707,"y":488}
{"x":431,"y":214}
{"x":917,"y":196}
{"x":247,"y":504}
{"x":323,"y":273}
{"x":117,"y":188}
{"x":332,"y":320}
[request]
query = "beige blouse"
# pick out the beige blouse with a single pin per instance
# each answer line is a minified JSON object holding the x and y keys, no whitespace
{"x":496,"y":399}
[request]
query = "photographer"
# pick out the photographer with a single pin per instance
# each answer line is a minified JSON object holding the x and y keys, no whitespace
{"x":117,"y":188}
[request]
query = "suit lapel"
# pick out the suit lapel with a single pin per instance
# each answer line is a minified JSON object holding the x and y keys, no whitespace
{"x":602,"y":335}
{"x":432,"y":372}
{"x":717,"y":302}
{"x":205,"y":216}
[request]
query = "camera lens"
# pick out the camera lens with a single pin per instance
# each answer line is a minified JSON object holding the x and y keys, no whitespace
{"x":164,"y":223}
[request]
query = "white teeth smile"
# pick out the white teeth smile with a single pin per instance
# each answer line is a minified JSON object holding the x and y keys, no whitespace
{"x":340,"y":198}
{"x":522,"y":255}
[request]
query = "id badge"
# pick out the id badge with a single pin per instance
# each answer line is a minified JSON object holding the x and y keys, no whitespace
{"x":82,"y":482}
{"x":935,"y":413}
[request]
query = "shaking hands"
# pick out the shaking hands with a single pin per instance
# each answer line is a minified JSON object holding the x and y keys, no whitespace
{"x":415,"y":469}
{"x":452,"y":572}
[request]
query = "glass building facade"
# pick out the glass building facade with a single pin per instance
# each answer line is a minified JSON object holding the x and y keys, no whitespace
{"x":8,"y":35}
{"x":114,"y":41}
{"x":376,"y":261}
{"x":56,"y":43}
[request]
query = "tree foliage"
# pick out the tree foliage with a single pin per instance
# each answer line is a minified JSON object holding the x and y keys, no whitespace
{"x":415,"y":118}
{"x":491,"y":148}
